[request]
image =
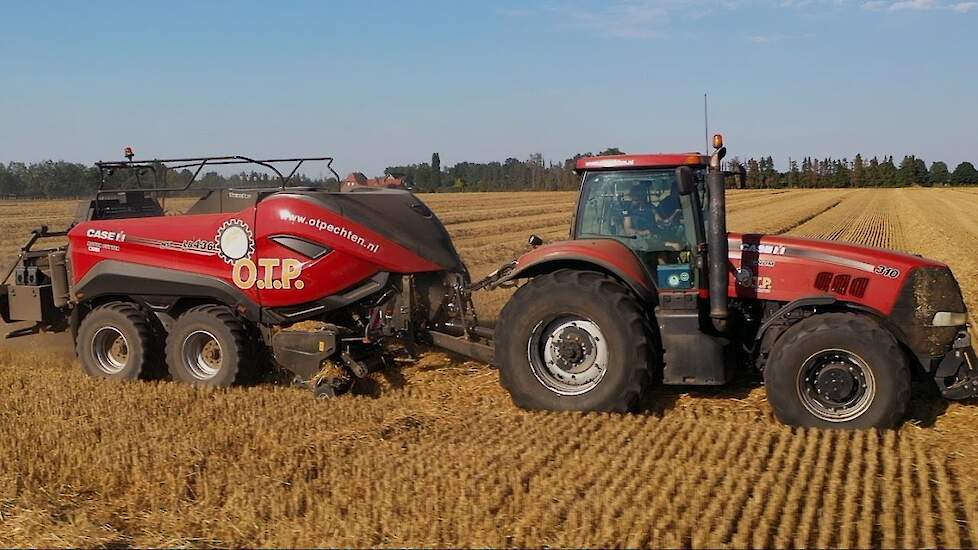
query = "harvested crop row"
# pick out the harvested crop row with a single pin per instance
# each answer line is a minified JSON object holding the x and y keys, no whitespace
{"x":509,"y":225}
{"x":476,"y":214}
{"x":780,"y":215}
{"x":443,"y":461}
{"x":866,"y":216}
{"x":463,"y":201}
{"x":750,"y":198}
{"x":943,"y":226}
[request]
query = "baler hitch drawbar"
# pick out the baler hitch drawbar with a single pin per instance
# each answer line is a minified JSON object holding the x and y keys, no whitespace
{"x":36,"y":295}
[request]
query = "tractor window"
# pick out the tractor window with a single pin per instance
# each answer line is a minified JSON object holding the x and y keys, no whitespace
{"x":641,"y":208}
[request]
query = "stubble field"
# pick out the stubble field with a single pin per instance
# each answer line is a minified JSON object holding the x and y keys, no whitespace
{"x":436,"y":455}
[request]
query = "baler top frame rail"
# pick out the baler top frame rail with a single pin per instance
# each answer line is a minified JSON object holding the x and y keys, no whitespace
{"x":160,"y":166}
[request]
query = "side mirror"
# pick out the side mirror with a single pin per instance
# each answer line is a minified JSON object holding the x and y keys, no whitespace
{"x":535,"y":241}
{"x":741,"y":174}
{"x":684,"y":180}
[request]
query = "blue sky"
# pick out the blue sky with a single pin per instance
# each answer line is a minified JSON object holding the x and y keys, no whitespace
{"x":376,"y":83}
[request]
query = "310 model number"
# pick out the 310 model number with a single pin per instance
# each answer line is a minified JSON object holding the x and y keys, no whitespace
{"x":887,"y":271}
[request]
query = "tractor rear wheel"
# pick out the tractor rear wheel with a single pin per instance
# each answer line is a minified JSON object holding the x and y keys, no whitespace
{"x":115,"y":341}
{"x":838,"y":370}
{"x":573,"y":340}
{"x":208,"y":345}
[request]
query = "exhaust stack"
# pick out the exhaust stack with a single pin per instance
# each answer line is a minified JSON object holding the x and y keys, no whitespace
{"x":718,"y":250}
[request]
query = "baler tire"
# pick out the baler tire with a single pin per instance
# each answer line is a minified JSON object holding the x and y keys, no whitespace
{"x":855,"y":338}
{"x":596,"y":299}
{"x":237,"y":364}
{"x":96,"y":330}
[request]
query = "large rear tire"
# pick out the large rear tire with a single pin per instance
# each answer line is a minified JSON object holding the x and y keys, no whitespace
{"x":115,"y":341}
{"x":573,"y":340}
{"x":208,"y":345}
{"x":838,"y":370}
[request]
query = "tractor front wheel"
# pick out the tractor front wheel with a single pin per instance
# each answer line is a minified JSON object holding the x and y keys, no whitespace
{"x":838,"y":370}
{"x":573,"y":340}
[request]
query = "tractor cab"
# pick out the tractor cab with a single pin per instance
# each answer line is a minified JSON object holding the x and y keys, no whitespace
{"x":636,"y":200}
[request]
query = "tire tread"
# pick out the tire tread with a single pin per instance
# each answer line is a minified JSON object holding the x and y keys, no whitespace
{"x":144,"y":333}
{"x":857,"y":326}
{"x":242,"y":371}
{"x":619,"y":299}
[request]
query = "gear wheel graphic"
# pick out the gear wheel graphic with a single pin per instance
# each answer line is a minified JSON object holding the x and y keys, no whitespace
{"x":235,"y":241}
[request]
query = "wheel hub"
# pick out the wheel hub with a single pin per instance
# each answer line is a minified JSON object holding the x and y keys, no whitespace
{"x":110,"y":350}
{"x":119,"y":350}
{"x":836,"y":385}
{"x":211,"y":354}
{"x":568,"y":355}
{"x":836,"y":382}
{"x":202,"y":355}
{"x":572,"y":348}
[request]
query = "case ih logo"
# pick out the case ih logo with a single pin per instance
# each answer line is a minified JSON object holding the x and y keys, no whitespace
{"x":776,"y":249}
{"x":119,"y":236}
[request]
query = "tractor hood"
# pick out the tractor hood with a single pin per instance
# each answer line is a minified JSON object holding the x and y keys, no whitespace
{"x":789,"y":268}
{"x":908,"y":291}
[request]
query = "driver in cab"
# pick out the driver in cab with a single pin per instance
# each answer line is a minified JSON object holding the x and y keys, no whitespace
{"x":638,"y":213}
{"x":659,"y":224}
{"x":668,"y":210}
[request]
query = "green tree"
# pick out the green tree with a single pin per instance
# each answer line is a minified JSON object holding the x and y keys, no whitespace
{"x":754,"y":177}
{"x":840,"y":173}
{"x":794,"y":174}
{"x":907,"y":171}
{"x":872,"y":176}
{"x":435,"y":170}
{"x":733,"y":165}
{"x":920,"y":173}
{"x":965,"y":174}
{"x":857,"y":171}
{"x":809,"y":177}
{"x":887,"y":173}
{"x":611,"y":151}
{"x":769,"y":175}
{"x":939,"y":174}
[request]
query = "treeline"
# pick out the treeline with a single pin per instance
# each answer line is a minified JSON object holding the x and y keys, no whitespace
{"x":54,"y":179}
{"x":535,"y":173}
{"x":828,"y":172}
{"x":51,"y":179}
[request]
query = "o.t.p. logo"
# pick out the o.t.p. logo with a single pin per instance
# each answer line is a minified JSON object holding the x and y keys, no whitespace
{"x":236,"y":245}
{"x":246,"y":274}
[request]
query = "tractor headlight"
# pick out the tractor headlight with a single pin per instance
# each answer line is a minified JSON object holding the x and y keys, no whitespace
{"x":949,"y":319}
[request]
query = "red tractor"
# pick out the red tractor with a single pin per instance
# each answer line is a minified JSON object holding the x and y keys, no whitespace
{"x":649,"y":289}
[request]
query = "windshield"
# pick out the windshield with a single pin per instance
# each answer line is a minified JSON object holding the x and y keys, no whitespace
{"x":642,"y":208}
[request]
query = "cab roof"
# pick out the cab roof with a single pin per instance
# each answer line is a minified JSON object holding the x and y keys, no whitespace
{"x":626,"y":162}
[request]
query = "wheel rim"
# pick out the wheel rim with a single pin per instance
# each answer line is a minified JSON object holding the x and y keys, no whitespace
{"x":568,"y":355}
{"x":110,"y":349}
{"x":836,"y":385}
{"x":202,"y":354}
